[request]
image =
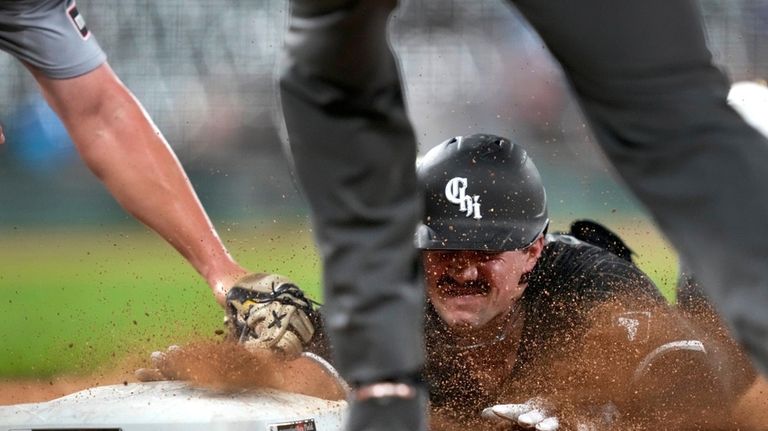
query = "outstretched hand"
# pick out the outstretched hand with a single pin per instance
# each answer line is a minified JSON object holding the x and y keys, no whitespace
{"x":536,"y":413}
{"x":542,"y":415}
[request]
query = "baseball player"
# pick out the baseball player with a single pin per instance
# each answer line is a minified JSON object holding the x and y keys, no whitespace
{"x":645,"y":81}
{"x":505,"y":298}
{"x":112,"y":132}
{"x":522,"y":326}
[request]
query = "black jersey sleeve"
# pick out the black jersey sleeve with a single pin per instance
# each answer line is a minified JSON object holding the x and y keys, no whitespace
{"x":646,"y":362}
{"x":683,"y":377}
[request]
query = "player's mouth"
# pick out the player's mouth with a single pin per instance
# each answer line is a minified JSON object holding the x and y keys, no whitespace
{"x":449,"y":288}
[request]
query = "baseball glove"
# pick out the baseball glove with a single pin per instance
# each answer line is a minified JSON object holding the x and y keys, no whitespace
{"x":268,"y":311}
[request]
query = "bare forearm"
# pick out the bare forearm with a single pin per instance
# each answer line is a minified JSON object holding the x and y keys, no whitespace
{"x":119,"y":143}
{"x":141,"y":172}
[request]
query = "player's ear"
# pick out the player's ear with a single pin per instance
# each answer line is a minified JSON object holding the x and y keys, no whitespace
{"x":533,"y":252}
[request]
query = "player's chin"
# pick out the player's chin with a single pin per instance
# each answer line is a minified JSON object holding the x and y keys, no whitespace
{"x":471,"y":303}
{"x":460,"y":324}
{"x":462,"y":312}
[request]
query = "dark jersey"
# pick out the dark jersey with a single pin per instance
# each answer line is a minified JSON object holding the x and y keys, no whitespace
{"x":570,"y":278}
{"x":587,"y":316}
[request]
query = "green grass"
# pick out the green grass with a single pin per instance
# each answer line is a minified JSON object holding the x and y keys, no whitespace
{"x":74,"y":300}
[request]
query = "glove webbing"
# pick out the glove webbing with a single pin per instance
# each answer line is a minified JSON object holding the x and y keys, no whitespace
{"x":286,"y":293}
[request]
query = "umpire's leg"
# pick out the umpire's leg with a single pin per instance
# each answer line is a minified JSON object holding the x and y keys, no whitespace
{"x":658,"y":106}
{"x":354,"y":152}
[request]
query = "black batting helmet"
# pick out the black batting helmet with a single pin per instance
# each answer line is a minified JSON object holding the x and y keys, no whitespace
{"x":482,"y":192}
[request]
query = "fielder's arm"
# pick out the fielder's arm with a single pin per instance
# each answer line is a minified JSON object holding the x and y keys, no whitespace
{"x":125,"y":150}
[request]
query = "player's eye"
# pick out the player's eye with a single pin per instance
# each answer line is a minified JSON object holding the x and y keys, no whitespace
{"x":483,"y":256}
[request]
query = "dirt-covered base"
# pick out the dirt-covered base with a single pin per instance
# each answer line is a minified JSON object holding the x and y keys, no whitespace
{"x":212,"y":364}
{"x":225,"y":366}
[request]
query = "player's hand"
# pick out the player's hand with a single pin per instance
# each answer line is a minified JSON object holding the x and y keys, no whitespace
{"x":160,"y":369}
{"x":536,"y":413}
{"x":540,"y":414}
{"x":268,"y":311}
{"x":2,"y":137}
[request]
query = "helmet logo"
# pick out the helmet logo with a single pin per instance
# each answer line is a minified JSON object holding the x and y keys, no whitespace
{"x":455,"y":192}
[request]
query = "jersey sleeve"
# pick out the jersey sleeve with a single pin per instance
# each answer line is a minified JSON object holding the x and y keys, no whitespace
{"x":658,"y":368}
{"x":684,"y":378}
{"x":49,"y":35}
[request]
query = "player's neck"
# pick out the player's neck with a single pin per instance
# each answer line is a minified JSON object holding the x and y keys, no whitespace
{"x":500,"y":334}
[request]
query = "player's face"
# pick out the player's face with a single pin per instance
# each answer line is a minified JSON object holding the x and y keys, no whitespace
{"x":468,"y":289}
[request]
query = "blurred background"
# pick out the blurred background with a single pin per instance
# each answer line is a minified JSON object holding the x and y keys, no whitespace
{"x":83,"y":285}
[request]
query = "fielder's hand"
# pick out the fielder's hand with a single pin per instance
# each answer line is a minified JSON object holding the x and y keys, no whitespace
{"x":267,"y":311}
{"x":533,"y":414}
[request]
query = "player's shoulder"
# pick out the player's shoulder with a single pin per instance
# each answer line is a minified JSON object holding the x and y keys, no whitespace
{"x":585,"y":235}
{"x":593,"y":247}
{"x":568,"y":254}
{"x":584,"y":271}
{"x":560,"y":242}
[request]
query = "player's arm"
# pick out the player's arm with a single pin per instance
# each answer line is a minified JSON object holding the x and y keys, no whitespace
{"x":125,"y":150}
{"x":2,"y":136}
{"x":682,"y":382}
{"x":670,"y":372}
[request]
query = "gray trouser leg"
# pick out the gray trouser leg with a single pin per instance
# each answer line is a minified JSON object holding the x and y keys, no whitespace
{"x":354,"y":152}
{"x":645,"y":79}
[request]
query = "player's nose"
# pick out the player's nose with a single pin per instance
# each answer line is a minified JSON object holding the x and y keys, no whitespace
{"x":463,"y":272}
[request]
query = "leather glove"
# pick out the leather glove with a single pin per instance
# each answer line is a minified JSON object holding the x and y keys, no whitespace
{"x":268,"y":311}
